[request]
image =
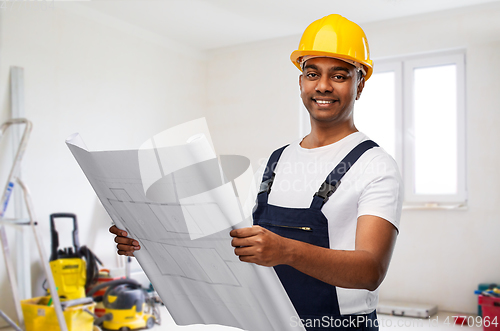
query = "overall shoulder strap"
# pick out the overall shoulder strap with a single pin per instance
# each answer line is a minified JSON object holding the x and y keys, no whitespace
{"x":332,"y":181}
{"x":268,"y":177}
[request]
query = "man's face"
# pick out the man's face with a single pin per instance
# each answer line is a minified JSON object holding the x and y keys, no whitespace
{"x":328,"y":88}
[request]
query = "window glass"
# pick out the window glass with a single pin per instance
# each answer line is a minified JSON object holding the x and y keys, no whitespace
{"x":435,"y":125}
{"x":375,"y":111}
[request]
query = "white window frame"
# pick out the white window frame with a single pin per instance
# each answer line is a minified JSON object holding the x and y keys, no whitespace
{"x":405,"y":149}
{"x":433,"y":200}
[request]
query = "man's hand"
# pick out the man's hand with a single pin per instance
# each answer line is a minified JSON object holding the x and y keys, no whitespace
{"x":259,"y":245}
{"x":362,"y":268}
{"x":126,"y":246}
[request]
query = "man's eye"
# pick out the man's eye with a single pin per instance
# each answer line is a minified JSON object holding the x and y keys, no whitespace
{"x":338,"y":77}
{"x":311,"y":75}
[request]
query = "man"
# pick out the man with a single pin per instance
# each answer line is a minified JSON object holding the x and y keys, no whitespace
{"x":328,"y":211}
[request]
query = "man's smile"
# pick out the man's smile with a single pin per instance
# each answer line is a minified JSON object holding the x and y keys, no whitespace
{"x":323,"y":102}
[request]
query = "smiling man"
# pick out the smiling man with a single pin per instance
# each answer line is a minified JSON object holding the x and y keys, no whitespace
{"x":328,"y":210}
{"x":328,"y":229}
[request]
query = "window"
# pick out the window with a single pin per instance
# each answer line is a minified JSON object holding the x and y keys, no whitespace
{"x":414,"y":107}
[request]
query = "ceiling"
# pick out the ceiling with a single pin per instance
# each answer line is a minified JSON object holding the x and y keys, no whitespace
{"x":210,"y":24}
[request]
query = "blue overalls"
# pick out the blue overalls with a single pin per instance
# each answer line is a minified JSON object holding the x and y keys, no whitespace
{"x":312,"y":298}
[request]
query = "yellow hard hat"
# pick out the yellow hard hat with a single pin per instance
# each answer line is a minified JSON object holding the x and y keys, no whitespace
{"x":337,"y":37}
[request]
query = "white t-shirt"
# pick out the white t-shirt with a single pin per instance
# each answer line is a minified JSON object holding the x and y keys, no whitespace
{"x":372,"y":186}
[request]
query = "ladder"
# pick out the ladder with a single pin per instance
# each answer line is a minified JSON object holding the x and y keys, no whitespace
{"x":12,"y":179}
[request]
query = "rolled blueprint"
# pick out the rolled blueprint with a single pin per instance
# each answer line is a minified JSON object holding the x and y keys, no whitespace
{"x":180,"y":202}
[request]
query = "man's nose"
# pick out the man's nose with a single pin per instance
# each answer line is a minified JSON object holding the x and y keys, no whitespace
{"x":324,"y":85}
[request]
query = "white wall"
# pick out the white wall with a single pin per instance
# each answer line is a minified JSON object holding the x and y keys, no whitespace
{"x":115,"y":84}
{"x":253,"y":98}
{"x":440,"y":256}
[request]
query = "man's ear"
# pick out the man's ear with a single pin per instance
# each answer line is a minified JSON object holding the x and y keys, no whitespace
{"x":361,"y":85}
{"x":300,"y":82}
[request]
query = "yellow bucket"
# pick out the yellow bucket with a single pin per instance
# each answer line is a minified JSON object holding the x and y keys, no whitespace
{"x":40,"y":317}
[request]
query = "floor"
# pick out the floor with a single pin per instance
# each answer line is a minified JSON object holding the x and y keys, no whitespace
{"x":440,"y":322}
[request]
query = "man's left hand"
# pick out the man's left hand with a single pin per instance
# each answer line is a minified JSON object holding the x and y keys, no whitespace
{"x":259,"y":245}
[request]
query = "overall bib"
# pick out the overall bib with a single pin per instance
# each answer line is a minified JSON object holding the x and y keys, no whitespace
{"x":312,"y":298}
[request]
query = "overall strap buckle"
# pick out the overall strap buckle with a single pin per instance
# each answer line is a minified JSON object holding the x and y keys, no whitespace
{"x":326,"y":190}
{"x":265,"y":186}
{"x":332,"y":181}
{"x":269,"y":174}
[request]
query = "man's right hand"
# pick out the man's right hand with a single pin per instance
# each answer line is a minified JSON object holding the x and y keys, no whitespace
{"x":126,"y":246}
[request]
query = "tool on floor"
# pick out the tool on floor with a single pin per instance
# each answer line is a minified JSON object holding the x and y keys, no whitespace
{"x":67,"y":265}
{"x":39,"y":314}
{"x":126,"y":304}
{"x":406,"y":309}
{"x":105,"y":276}
{"x":74,"y":268}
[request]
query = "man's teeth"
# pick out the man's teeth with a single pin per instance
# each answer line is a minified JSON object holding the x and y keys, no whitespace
{"x":324,"y":101}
